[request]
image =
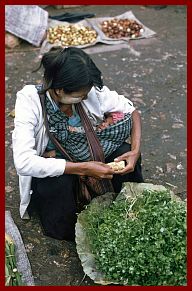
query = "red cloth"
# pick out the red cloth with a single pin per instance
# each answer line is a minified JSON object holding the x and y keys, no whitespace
{"x":117,"y":116}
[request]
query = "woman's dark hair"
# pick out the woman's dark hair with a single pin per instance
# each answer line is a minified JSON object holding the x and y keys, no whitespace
{"x":70,"y":69}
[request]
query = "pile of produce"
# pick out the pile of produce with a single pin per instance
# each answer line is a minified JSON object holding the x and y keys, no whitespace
{"x":139,"y":240}
{"x":71,"y":35}
{"x":118,"y":28}
{"x":12,"y":276}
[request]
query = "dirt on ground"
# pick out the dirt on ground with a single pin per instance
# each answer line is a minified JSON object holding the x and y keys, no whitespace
{"x":153,"y":75}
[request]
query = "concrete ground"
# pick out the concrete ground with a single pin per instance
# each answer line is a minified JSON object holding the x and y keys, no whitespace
{"x":153,"y":76}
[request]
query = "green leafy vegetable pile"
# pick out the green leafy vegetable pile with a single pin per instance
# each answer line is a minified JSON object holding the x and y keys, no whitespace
{"x":141,"y":241}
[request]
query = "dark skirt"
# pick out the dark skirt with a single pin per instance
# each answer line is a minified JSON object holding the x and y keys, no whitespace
{"x":54,"y":198}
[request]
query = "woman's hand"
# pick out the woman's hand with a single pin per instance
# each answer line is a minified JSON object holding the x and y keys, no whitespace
{"x":131,"y":159}
{"x":94,"y":169}
{"x":99,"y":170}
{"x":132,"y":156}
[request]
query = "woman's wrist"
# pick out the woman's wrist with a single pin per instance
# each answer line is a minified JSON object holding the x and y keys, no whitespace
{"x":76,"y":168}
{"x":136,"y":148}
{"x":136,"y":152}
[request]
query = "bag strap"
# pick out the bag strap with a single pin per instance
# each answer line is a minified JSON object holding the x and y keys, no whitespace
{"x":95,"y":147}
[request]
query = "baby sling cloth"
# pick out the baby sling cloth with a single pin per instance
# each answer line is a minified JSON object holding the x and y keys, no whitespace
{"x":89,"y":187}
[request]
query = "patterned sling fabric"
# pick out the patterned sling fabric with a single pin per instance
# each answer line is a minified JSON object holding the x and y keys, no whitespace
{"x":90,"y":142}
{"x":76,"y":144}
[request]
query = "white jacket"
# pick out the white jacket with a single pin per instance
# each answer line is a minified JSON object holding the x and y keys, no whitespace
{"x":30,"y":138}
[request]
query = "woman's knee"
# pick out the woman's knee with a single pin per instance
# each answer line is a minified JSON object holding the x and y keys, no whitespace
{"x":62,"y":229}
{"x":50,"y":185}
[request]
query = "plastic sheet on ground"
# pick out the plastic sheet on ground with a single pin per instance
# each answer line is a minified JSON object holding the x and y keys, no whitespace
{"x":46,"y":45}
{"x":28,"y":22}
{"x":95,"y":24}
{"x":23,"y":264}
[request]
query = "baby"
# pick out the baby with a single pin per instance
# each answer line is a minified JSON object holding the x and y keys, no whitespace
{"x":110,"y":118}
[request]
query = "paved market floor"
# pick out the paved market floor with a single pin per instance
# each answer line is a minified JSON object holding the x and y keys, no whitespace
{"x":153,"y":75}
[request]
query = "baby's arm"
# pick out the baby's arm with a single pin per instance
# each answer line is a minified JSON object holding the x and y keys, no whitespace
{"x":111,"y":118}
{"x":105,"y":123}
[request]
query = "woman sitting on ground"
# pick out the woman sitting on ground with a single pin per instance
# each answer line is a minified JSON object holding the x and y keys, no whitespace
{"x":73,"y":96}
